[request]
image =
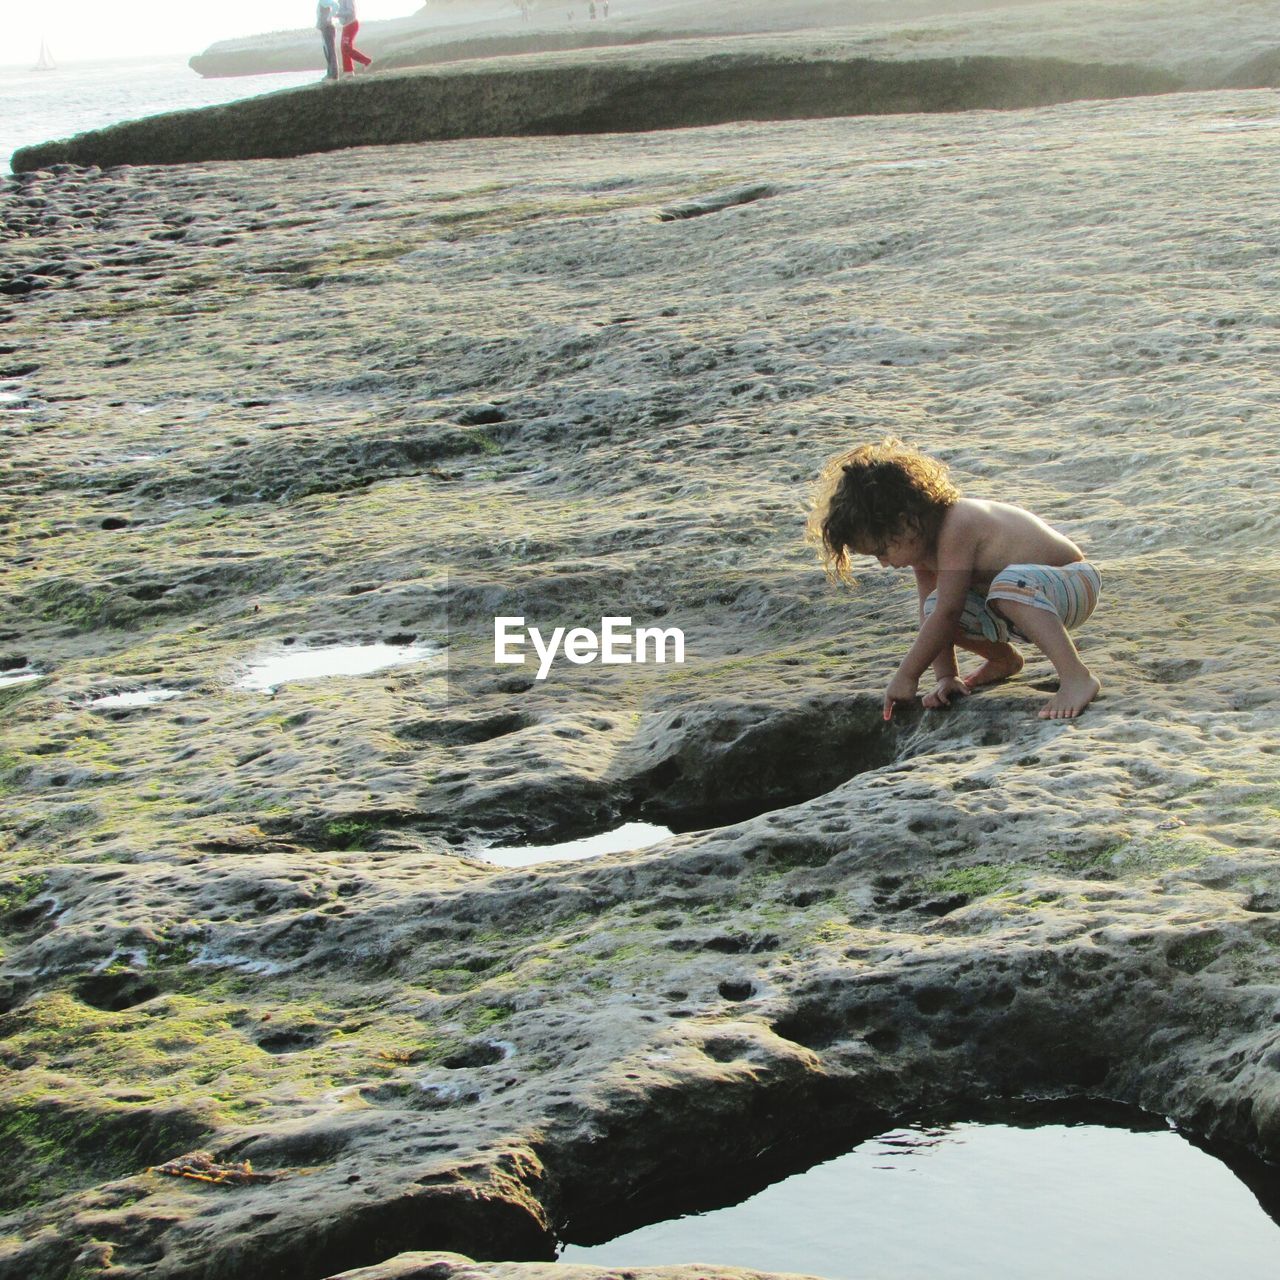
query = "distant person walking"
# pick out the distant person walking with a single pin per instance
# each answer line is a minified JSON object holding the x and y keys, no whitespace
{"x":350,"y":54}
{"x":324,"y":24}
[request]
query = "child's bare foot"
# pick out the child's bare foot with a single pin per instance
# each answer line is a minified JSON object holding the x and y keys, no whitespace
{"x":1071,"y":699}
{"x":995,"y":669}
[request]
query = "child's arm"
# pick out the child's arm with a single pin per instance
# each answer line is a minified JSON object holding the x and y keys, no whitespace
{"x":957,"y":550}
{"x":944,"y":665}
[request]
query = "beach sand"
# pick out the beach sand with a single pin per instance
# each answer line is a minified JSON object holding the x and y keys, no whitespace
{"x":390,"y":393}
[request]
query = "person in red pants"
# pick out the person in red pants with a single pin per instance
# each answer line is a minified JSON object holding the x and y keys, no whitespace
{"x":350,"y":54}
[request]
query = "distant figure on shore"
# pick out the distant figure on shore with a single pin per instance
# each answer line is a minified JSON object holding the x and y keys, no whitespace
{"x":350,"y":54}
{"x":591,"y":9}
{"x":324,"y":24}
{"x":985,"y":572}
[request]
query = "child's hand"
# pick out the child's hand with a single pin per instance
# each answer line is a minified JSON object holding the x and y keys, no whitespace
{"x":947,"y":688}
{"x":901,"y":689}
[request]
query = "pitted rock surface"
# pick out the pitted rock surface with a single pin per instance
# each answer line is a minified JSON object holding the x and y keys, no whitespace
{"x":393,"y":393}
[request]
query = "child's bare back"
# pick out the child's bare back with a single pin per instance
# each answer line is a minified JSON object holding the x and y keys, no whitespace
{"x":999,"y":535}
{"x":985,"y":571}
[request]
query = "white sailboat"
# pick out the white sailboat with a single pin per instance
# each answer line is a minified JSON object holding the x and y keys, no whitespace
{"x":45,"y":61}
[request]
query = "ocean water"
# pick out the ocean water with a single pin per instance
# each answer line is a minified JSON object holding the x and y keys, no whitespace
{"x":36,"y":106}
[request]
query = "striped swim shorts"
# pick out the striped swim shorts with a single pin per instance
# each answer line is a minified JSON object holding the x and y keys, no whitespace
{"x":1070,"y":590}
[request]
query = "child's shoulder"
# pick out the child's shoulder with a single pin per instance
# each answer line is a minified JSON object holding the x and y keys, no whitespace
{"x":965,"y":515}
{"x":971,"y":524}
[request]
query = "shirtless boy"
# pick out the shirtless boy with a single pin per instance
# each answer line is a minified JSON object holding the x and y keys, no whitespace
{"x":984,"y":571}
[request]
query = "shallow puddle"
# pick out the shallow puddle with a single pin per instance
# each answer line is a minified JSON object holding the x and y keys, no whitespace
{"x":982,"y":1202}
{"x":282,"y":666}
{"x":631,"y":835}
{"x":135,"y":698}
{"x":21,"y":676}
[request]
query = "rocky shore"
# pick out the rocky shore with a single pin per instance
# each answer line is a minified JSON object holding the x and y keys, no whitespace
{"x":466,"y":29}
{"x":385,"y":395}
{"x":662,"y":70}
{"x":512,"y":97}
{"x":1180,"y":35}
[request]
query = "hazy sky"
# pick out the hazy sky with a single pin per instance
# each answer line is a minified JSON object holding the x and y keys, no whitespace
{"x":78,"y":30}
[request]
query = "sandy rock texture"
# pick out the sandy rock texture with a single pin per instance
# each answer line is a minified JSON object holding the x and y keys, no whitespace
{"x":383,"y":395}
{"x":820,"y":58}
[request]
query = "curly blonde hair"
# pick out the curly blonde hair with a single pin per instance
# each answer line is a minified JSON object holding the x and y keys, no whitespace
{"x":867,"y":497}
